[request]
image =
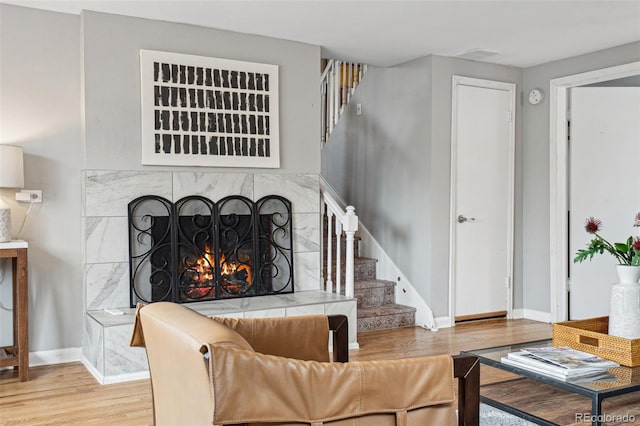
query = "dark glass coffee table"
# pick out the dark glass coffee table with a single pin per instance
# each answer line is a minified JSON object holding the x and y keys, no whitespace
{"x":627,"y":380}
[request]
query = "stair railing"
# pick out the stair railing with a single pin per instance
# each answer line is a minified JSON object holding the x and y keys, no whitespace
{"x":346,"y":222}
{"x":338,"y":83}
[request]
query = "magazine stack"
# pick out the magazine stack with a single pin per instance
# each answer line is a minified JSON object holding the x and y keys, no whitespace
{"x":562,"y":363}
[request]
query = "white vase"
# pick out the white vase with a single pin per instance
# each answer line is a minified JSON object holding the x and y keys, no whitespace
{"x":624,"y":316}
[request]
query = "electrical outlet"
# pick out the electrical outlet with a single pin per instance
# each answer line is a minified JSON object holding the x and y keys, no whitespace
{"x":29,"y":196}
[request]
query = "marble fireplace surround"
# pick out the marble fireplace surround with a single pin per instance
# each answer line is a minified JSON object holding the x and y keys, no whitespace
{"x":105,"y":341}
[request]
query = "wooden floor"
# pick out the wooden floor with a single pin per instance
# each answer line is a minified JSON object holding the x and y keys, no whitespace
{"x":67,"y":394}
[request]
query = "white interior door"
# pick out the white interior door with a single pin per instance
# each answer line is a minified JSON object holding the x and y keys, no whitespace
{"x":482,"y":197}
{"x":604,"y":183}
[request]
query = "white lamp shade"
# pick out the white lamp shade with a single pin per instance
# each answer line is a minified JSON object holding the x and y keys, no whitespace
{"x":11,"y":167}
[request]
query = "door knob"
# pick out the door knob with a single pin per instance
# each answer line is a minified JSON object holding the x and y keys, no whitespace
{"x":462,"y":219}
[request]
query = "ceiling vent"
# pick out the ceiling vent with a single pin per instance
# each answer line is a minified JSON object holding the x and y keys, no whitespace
{"x":477,"y":54}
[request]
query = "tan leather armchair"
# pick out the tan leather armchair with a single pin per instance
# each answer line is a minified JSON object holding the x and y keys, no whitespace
{"x":277,"y":371}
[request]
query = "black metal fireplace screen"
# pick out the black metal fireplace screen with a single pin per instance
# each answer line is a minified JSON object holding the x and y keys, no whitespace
{"x":196,"y":249}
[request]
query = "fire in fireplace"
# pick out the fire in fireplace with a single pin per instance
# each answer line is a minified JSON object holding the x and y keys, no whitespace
{"x":236,"y":277}
{"x":197,"y":249}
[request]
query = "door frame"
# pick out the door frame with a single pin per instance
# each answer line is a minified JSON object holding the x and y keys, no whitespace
{"x":511,"y":89}
{"x":558,"y":182}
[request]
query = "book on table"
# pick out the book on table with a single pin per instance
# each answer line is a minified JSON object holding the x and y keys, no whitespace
{"x":562,"y":363}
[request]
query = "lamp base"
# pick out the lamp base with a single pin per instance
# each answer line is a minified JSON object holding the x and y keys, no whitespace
{"x":5,"y":225}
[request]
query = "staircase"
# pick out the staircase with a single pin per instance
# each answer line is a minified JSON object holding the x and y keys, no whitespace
{"x":377,"y":309}
{"x":338,"y":83}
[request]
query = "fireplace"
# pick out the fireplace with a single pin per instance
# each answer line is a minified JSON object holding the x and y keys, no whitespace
{"x":196,"y":249}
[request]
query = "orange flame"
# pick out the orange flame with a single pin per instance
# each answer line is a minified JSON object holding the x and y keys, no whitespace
{"x":205,"y":267}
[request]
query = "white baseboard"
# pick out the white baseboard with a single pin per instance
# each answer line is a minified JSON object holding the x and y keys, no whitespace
{"x":94,"y":372}
{"x":532,"y":314}
{"x":55,"y":356}
{"x":126,"y":377}
{"x":352,"y":345}
{"x":443,"y":322}
{"x":129,"y":377}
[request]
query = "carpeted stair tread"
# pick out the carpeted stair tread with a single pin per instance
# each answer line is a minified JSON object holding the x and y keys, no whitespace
{"x":359,"y":259}
{"x":385,"y":317}
{"x":373,"y":293}
{"x":372,"y":283}
{"x":389,"y":309}
{"x":376,"y":307}
{"x":364,"y":268}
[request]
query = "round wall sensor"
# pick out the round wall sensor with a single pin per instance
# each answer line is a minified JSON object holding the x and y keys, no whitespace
{"x":536,"y":96}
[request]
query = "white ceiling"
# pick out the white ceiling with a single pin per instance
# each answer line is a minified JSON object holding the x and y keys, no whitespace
{"x":526,"y":33}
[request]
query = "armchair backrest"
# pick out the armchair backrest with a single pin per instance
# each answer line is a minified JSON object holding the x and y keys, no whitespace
{"x":273,"y":336}
{"x":175,"y":339}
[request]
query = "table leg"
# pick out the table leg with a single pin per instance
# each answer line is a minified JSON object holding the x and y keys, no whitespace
{"x":596,"y":410}
{"x":14,"y":306}
{"x":22,"y":314}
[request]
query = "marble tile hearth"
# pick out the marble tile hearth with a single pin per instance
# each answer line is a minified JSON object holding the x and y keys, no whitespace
{"x":110,"y":359}
{"x":105,"y":195}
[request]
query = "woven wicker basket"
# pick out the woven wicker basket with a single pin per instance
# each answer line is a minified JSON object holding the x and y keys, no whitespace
{"x":590,"y":335}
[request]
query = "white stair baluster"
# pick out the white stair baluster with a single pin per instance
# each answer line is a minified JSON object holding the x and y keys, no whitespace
{"x":338,"y":257}
{"x":350,"y":227}
{"x":336,"y":105}
{"x":323,"y":111}
{"x":331,"y":96}
{"x":329,"y":284}
{"x":352,"y":82}
{"x":346,"y":221}
{"x":347,"y":86}
{"x":343,"y":87}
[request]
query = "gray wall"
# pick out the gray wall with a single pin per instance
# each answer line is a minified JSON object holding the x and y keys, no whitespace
{"x":393,"y":164}
{"x":71,"y":97}
{"x":40,"y":111}
{"x":536,"y":165}
{"x":111,"y":61}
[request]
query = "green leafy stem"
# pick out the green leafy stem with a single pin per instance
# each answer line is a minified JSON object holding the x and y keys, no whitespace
{"x":623,"y":252}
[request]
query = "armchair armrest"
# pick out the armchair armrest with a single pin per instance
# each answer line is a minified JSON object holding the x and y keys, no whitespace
{"x":466,"y":369}
{"x":339,"y":324}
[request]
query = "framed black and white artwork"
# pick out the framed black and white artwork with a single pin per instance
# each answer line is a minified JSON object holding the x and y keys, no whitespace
{"x":212,"y":112}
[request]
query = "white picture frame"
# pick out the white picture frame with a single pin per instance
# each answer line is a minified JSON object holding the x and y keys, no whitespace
{"x":208,"y":112}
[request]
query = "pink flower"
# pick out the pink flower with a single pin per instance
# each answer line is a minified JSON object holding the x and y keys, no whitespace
{"x":626,"y":253}
{"x":592,"y":225}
